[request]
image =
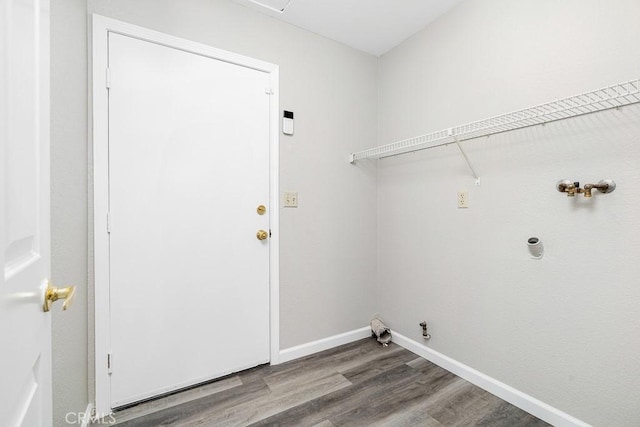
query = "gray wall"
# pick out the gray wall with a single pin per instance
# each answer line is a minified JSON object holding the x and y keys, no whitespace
{"x":328,"y":248}
{"x":69,"y":203}
{"x":563,"y":329}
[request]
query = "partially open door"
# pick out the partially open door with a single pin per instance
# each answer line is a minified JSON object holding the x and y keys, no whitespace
{"x":25,"y":328}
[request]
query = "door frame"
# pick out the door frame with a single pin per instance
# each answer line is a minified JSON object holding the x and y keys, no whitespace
{"x":99,"y":162}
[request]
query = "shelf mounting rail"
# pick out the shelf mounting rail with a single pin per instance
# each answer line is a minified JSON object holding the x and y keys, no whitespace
{"x":607,"y":98}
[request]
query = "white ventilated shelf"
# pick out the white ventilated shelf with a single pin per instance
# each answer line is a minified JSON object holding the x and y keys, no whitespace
{"x":607,"y":98}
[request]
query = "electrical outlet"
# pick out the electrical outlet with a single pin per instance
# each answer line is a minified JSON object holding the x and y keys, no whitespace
{"x":463,"y":199}
{"x":290,"y":199}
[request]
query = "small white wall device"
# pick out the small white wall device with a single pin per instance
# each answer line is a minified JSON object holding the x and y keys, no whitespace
{"x":287,"y":122}
{"x":535,"y":247}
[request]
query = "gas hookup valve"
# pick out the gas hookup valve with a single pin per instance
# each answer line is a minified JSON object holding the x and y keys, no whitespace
{"x":425,"y":333}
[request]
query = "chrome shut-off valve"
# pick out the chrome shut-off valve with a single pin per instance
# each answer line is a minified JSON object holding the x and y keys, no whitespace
{"x":425,"y":333}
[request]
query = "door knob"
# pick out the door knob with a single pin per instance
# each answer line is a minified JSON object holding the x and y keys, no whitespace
{"x":262,"y":235}
{"x":53,"y":294}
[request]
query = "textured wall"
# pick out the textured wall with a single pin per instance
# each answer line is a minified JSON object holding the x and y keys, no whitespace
{"x":69,"y":203}
{"x":327,"y":246}
{"x":562,"y":329}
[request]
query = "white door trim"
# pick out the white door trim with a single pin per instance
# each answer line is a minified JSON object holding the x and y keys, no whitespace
{"x":101,"y":26}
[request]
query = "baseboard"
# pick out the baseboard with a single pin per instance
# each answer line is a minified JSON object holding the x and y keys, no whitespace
{"x":88,"y":414}
{"x":517,"y":398}
{"x":302,"y":350}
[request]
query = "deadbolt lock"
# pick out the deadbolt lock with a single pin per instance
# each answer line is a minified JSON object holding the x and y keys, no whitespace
{"x":261,"y":209}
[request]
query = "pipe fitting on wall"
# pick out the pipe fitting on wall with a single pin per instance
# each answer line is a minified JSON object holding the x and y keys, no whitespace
{"x":573,"y":188}
{"x":535,"y":247}
{"x":425,"y":333}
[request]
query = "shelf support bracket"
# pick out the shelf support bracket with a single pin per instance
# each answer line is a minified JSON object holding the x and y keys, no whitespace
{"x":457,"y":141}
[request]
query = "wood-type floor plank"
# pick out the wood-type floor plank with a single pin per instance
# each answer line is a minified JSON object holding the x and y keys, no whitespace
{"x":176,"y":399}
{"x":358,"y":384}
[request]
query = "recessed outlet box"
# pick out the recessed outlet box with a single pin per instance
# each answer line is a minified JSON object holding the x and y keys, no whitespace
{"x":463,"y":199}
{"x":290,"y":199}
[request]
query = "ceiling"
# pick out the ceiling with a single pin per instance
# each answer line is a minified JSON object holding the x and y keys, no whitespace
{"x":373,"y":26}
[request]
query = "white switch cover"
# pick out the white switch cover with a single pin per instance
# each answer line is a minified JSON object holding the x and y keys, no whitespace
{"x":290,"y":199}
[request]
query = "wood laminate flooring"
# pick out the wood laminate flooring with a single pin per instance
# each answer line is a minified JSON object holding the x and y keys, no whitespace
{"x":358,"y":384}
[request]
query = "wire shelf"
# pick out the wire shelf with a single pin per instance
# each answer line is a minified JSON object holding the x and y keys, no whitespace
{"x":607,"y":98}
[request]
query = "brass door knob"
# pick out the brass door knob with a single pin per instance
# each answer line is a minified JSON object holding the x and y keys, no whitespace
{"x":53,"y":294}
{"x":262,"y":235}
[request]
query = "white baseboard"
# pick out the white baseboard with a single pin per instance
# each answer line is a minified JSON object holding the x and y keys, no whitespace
{"x":323,"y":344}
{"x":88,"y":413}
{"x":517,"y":398}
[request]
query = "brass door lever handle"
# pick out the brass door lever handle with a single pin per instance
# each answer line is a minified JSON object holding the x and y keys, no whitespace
{"x":53,"y":294}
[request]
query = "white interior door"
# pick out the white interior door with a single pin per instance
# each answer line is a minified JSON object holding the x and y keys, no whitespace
{"x":25,"y":357}
{"x":188,"y":168}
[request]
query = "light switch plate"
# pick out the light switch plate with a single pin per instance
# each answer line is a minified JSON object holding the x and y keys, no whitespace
{"x":290,"y":199}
